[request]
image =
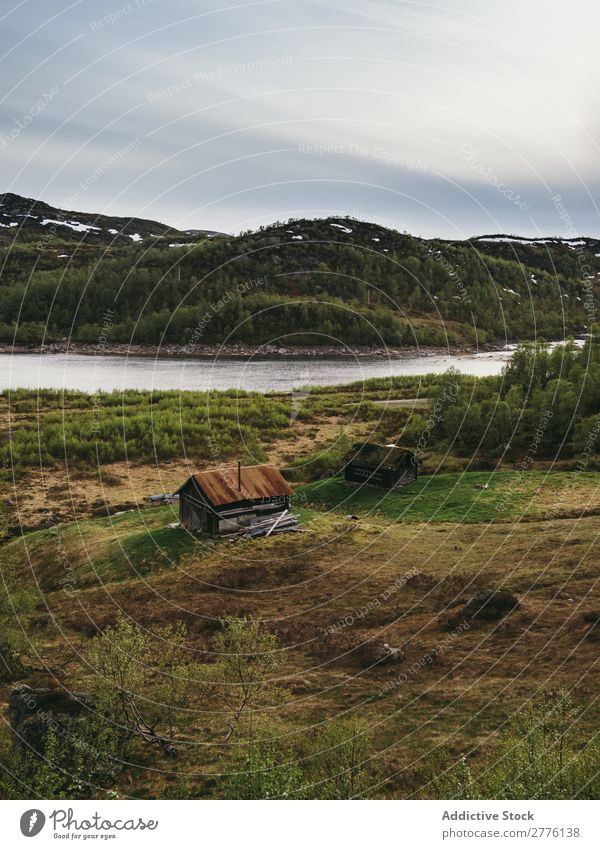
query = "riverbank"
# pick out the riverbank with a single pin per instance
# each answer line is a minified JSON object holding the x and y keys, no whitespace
{"x":237,"y":351}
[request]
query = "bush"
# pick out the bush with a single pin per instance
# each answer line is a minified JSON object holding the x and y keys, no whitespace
{"x":339,"y":761}
{"x":262,"y":770}
{"x":489,"y":606}
{"x":544,"y":755}
{"x":78,"y":760}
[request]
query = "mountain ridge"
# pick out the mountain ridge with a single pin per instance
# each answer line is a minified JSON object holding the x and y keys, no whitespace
{"x":29,"y":214}
{"x":13,"y":205}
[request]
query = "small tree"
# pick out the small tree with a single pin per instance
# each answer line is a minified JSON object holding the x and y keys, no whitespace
{"x":143,"y":681}
{"x":340,"y":760}
{"x":247,"y":660}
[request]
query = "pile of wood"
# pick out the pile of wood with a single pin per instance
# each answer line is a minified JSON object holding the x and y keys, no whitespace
{"x":162,"y":498}
{"x":279,"y":523}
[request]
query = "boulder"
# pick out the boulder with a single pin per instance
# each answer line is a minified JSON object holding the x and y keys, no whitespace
{"x":374,"y":653}
{"x":390,"y":654}
{"x":591,"y":620}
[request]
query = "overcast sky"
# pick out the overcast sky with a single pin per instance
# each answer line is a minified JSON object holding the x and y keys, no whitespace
{"x":441,"y":119}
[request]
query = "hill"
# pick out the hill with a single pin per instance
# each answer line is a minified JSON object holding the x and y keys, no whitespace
{"x":28,"y":220}
{"x":332,"y":281}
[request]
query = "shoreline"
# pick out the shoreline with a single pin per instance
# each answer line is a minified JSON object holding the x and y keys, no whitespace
{"x":173,"y":352}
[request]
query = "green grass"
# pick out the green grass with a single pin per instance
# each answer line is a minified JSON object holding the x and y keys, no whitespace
{"x":145,"y":547}
{"x":140,"y":543}
{"x":105,"y":550}
{"x":452,"y":497}
{"x":100,"y":550}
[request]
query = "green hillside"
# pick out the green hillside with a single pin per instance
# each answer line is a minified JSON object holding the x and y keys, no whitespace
{"x":326,"y":281}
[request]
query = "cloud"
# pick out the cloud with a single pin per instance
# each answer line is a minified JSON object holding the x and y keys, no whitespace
{"x":223,"y":100}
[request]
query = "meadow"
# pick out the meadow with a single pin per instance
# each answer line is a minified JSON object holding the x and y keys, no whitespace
{"x":327,"y":596}
{"x":94,"y":574}
{"x":467,"y":497}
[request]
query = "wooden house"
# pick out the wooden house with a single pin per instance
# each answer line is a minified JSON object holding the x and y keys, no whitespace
{"x":222,"y":501}
{"x":386,"y":466}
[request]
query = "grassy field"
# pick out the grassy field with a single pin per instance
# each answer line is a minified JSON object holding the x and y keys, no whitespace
{"x":328,"y":592}
{"x":94,"y":551}
{"x":466,"y":497}
{"x":80,"y":546}
{"x":137,"y":541}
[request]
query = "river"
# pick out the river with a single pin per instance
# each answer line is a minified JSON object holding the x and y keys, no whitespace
{"x":106,"y":372}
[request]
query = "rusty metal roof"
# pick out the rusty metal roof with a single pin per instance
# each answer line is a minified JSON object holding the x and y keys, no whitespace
{"x":220,"y":486}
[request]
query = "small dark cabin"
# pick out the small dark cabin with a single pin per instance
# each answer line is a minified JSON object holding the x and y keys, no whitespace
{"x":221,"y":501}
{"x":381,"y":465}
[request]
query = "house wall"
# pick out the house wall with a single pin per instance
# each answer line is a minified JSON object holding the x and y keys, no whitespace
{"x":364,"y":474}
{"x":197,"y":517}
{"x":194,"y":515}
{"x":406,"y":476}
{"x":191,"y":517}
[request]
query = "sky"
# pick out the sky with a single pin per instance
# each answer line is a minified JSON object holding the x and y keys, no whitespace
{"x":453,"y":120}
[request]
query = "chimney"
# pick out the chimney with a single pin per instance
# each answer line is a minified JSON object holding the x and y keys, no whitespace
{"x":239,"y":476}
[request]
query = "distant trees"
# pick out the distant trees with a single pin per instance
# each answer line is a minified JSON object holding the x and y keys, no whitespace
{"x":317,"y":284}
{"x":545,"y":403}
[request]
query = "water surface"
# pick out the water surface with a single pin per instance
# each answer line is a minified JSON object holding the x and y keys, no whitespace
{"x":107,"y":372}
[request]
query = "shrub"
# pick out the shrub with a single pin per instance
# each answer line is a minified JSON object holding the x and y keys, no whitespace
{"x":544,"y":755}
{"x":263,"y":770}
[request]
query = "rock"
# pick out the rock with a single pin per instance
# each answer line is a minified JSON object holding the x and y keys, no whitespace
{"x":50,"y":521}
{"x":591,"y":620}
{"x":390,"y":654}
{"x":373,"y":653}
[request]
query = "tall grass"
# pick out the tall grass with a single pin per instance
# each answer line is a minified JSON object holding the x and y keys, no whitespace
{"x":85,"y":430}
